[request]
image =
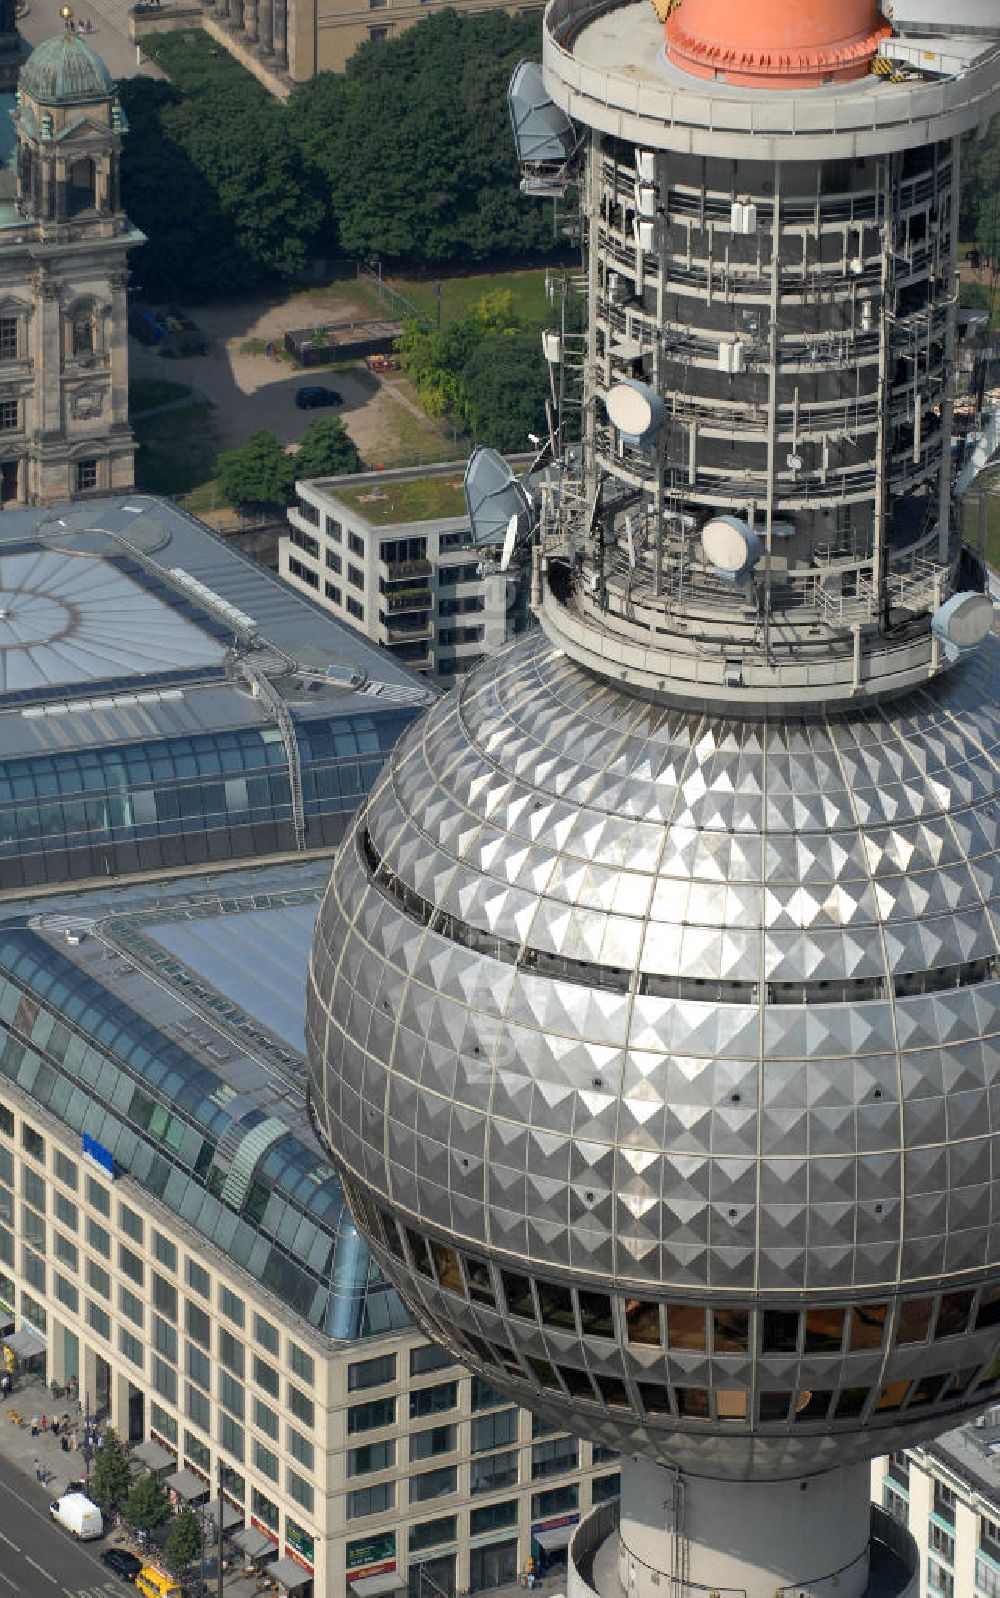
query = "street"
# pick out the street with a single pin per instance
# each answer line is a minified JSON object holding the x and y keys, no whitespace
{"x":36,"y":1557}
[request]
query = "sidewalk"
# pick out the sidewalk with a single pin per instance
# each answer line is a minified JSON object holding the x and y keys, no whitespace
{"x":17,"y":1446}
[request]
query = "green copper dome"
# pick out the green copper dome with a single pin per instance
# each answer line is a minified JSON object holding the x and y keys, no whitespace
{"x":65,"y":71}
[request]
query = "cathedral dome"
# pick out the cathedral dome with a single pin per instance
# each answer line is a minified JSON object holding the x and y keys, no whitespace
{"x":65,"y":70}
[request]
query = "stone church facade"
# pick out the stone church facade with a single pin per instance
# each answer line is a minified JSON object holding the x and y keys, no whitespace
{"x":64,"y":241}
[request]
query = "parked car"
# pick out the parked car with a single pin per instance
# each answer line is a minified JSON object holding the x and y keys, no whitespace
{"x":121,"y":1563}
{"x":76,"y":1512}
{"x":311,"y":396}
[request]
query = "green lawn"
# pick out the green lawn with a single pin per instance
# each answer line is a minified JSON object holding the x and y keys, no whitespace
{"x":458,"y":294}
{"x":177,"y":449}
{"x":407,"y":500}
{"x":988,"y":480}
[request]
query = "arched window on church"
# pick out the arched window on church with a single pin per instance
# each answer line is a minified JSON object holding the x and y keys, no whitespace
{"x":82,"y":186}
{"x":84,"y":330}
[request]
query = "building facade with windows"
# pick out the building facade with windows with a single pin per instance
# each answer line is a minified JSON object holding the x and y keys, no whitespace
{"x":947,"y":1494}
{"x":172,"y":1238}
{"x":64,"y":243}
{"x":182,"y":740}
{"x":289,"y":41}
{"x":391,"y":554}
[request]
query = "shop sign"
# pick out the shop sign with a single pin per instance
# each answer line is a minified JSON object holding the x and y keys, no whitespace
{"x":371,"y":1556}
{"x":299,"y":1545}
{"x":98,"y":1154}
{"x":554,"y":1522}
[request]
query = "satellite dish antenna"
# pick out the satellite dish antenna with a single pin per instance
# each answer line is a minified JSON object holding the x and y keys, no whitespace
{"x":510,"y":539}
{"x":962,"y":622}
{"x":635,"y":410}
{"x":493,"y":495}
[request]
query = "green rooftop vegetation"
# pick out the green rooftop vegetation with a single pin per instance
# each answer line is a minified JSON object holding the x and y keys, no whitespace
{"x":406,"y":499}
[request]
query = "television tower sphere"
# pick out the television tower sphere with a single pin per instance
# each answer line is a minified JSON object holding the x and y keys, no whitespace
{"x":654,"y":1007}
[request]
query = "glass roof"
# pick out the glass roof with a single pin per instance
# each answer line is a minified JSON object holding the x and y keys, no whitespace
{"x":67,"y":621}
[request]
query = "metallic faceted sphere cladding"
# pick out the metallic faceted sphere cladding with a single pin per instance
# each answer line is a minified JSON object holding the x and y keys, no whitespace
{"x":659,"y":1054}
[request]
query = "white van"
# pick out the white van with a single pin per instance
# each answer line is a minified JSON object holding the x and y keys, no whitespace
{"x":76,"y":1512}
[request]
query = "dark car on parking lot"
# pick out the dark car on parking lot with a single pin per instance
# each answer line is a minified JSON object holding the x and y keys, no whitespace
{"x":122,"y":1563}
{"x":311,"y":396}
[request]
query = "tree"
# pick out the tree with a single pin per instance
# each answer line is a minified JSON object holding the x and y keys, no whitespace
{"x":432,"y":175}
{"x":506,"y":385}
{"x":327,"y":450}
{"x":258,"y":474}
{"x":183,"y":1544}
{"x":146,"y":1506}
{"x":111,"y":1476}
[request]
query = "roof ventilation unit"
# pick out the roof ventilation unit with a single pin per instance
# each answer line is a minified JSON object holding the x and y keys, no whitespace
{"x":962,"y":622}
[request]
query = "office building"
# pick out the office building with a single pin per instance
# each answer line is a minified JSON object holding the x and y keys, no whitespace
{"x":182,"y":740}
{"x":655,"y":1003}
{"x":390,"y":553}
{"x":947,"y":1493}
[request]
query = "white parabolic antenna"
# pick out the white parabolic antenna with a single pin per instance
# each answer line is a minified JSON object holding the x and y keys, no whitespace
{"x":510,"y":539}
{"x":635,"y":409}
{"x":729,"y":544}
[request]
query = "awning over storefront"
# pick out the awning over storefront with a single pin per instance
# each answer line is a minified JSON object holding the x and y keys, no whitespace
{"x":230,"y":1517}
{"x":554,"y":1537}
{"x":186,"y":1485}
{"x":254,"y":1544}
{"x":375,"y":1586}
{"x":153,"y":1455}
{"x":26,"y":1343}
{"x":288,"y":1574}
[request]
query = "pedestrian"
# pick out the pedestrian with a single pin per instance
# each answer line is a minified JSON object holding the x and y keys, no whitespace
{"x":34,"y":1425}
{"x":44,"y":1423}
{"x":38,"y":1469}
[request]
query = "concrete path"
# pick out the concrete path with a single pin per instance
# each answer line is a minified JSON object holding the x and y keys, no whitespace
{"x":109,"y":37}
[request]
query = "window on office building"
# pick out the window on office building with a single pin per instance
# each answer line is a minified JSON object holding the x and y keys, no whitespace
{"x":165,"y":1252}
{"x":198,"y":1366}
{"x":494,"y":1431}
{"x":302,"y":1364}
{"x":493,"y":1517}
{"x":198,"y":1279}
{"x":33,"y":1187}
{"x":299,"y":1489}
{"x":266,"y":1418}
{"x":491,"y":1473}
{"x":432,"y":1533}
{"x":99,"y":1238}
{"x":131,"y":1223}
{"x":266,"y":1334}
{"x":199,"y":1324}
{"x":65,"y":1211}
{"x":230,"y":1351}
{"x":98,"y":1320}
{"x":266,"y":1376}
{"x":231,"y":1393}
{"x":198,"y":1408}
{"x":433,"y":1484}
{"x":164,"y":1380}
{"x":231,"y":1305}
{"x":435,"y":1440}
{"x":32,"y":1142}
{"x":66,"y":1293}
{"x":433,"y":1400}
{"x":371,"y":1372}
{"x":65,"y":1251}
{"x":365,"y":1417}
{"x":164,"y":1296}
{"x":131,"y":1265}
{"x":65,"y":1169}
{"x":301,"y":1407}
{"x":165,"y":1339}
{"x":427,"y":1358}
{"x":6,"y":1120}
{"x":554,"y":1458}
{"x":940,"y":1581}
{"x":370,"y":1457}
{"x":98,"y":1279}
{"x":374,"y":1500}
{"x":131,"y":1347}
{"x":231,"y":1436}
{"x":604,"y":1487}
{"x":131,"y":1307}
{"x":98,"y":1197}
{"x":300,"y":1448}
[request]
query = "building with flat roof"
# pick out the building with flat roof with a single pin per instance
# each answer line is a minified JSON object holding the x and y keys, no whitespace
{"x":172,"y":1237}
{"x":165,"y":702}
{"x":947,"y":1494}
{"x":391,"y":554}
{"x":182,"y":739}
